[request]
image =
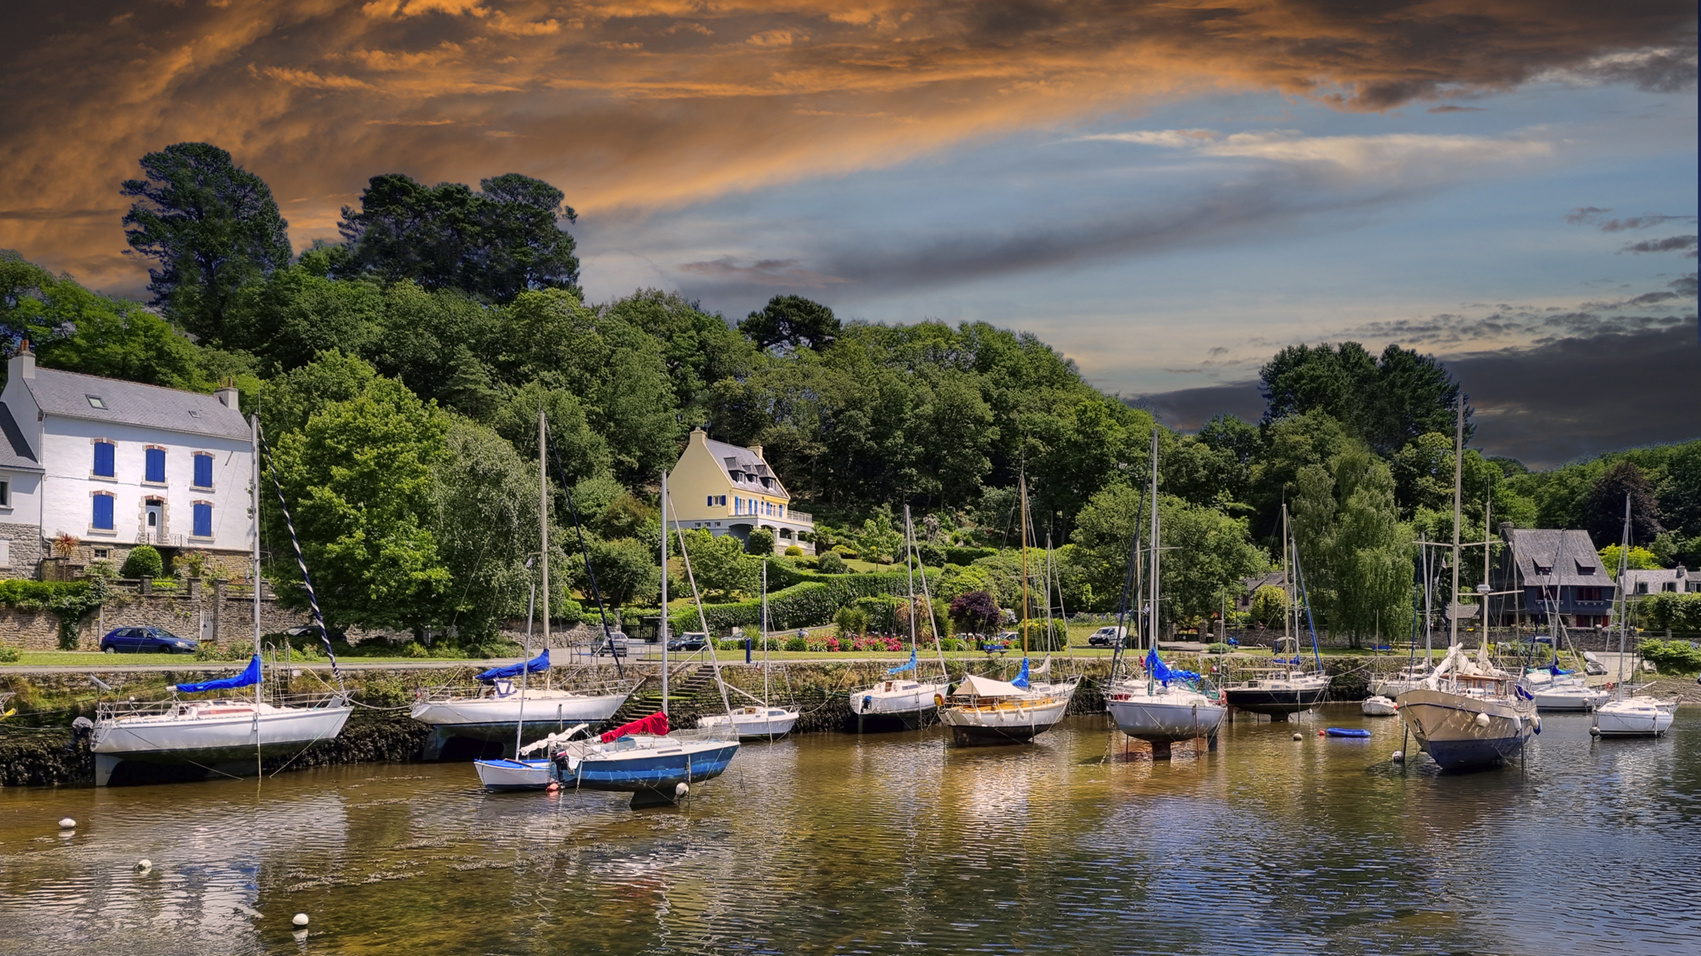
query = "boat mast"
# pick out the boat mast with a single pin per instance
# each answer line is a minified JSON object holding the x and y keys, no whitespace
{"x":1153,"y":541}
{"x":909,"y":572}
{"x":1623,"y":592}
{"x":543,"y":519}
{"x":664,"y":591}
{"x":1288,"y":608}
{"x":254,"y":445}
{"x":1458,"y":483}
{"x":766,"y":699}
{"x":1024,"y":483}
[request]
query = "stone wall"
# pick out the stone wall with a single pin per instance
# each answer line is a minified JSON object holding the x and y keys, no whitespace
{"x":25,"y":546}
{"x":217,"y":613}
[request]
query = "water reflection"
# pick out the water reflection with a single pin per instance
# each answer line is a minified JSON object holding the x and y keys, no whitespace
{"x":899,"y":844}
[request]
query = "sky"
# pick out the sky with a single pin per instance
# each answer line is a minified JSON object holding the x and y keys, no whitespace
{"x":1168,"y":193}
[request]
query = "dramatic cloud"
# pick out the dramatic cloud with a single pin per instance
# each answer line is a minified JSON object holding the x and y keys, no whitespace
{"x":1670,"y":244}
{"x":1527,"y":402}
{"x":649,"y":104}
{"x":1596,"y":216}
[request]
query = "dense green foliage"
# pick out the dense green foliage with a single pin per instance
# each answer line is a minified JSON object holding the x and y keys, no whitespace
{"x":1680,"y":613}
{"x":144,"y":561}
{"x":400,"y":376}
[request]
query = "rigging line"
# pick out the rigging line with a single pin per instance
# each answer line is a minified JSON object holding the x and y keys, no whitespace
{"x":295,"y":541}
{"x":579,"y":529}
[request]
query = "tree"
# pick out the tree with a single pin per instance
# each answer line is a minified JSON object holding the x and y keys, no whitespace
{"x":212,"y":227}
{"x":358,"y":474}
{"x":1355,"y":556}
{"x":289,"y":318}
{"x":720,"y":565}
{"x":626,"y":572}
{"x":976,"y":612}
{"x":495,"y":244}
{"x":484,"y":520}
{"x":879,"y":541}
{"x":1639,"y":559}
{"x":1603,"y":510}
{"x":1384,"y":402}
{"x":791,"y":322}
{"x":1269,"y":604}
{"x":759,"y":541}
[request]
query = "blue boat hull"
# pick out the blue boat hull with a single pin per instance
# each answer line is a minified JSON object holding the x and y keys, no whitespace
{"x":659,"y":773}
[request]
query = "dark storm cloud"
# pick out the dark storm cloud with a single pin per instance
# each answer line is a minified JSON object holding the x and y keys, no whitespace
{"x":1527,"y":401}
{"x":1596,"y":216}
{"x":657,"y":103}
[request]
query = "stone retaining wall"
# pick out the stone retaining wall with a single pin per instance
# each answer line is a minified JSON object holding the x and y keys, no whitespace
{"x":214,"y":614}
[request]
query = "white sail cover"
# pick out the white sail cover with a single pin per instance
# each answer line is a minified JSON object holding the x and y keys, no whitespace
{"x":975,"y":685}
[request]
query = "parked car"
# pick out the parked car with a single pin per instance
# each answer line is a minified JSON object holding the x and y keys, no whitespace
{"x":146,"y":640}
{"x":614,"y":645}
{"x":689,"y":641}
{"x":1107,"y":636}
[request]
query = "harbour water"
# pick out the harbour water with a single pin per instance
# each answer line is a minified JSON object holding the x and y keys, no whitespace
{"x":830,"y":843}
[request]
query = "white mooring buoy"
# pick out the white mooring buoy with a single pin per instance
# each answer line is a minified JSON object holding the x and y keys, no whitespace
{"x":143,"y":866}
{"x":682,"y":790}
{"x":1399,"y":756}
{"x":1298,"y":736}
{"x":67,"y":824}
{"x":300,"y":919}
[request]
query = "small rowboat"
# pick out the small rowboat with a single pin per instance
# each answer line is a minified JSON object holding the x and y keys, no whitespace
{"x":1379,"y":707}
{"x":1346,"y":732}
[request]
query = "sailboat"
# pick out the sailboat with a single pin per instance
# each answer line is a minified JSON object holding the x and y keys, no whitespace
{"x":225,"y":736}
{"x":760,"y":719}
{"x":1288,"y":689}
{"x":1626,"y":714}
{"x":904,"y":698}
{"x":499,"y":710}
{"x":982,"y":710}
{"x":1468,"y":716}
{"x":1168,"y":704}
{"x":646,"y":757}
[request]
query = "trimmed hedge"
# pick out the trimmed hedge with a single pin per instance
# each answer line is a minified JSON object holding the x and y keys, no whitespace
{"x":810,"y":603}
{"x":966,"y":556}
{"x":1671,"y":611}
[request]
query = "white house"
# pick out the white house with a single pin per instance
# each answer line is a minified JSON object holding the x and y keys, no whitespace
{"x":116,"y":464}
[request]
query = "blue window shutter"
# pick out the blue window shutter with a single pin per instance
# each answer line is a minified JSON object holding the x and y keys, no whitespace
{"x":203,"y":520}
{"x":711,"y":500}
{"x":103,"y":510}
{"x":155,"y":465}
{"x":203,"y":471}
{"x":104,"y":460}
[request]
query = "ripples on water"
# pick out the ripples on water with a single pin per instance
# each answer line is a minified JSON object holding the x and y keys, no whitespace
{"x":899,"y":844}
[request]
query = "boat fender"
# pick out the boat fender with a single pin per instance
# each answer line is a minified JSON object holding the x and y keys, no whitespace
{"x":1482,"y":720}
{"x":1320,"y":733}
{"x":299,"y":919}
{"x":867,"y":702}
{"x":1536,"y":722}
{"x":939,"y":700}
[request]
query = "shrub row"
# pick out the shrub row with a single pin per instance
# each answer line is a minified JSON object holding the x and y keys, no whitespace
{"x":810,"y":603}
{"x":1671,"y":612}
{"x":1673,"y":657}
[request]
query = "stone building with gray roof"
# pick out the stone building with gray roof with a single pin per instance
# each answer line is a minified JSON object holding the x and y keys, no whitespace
{"x":1559,"y":577}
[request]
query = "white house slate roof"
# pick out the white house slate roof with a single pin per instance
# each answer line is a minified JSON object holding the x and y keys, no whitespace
{"x":744,"y":470}
{"x":15,"y":453}
{"x":1680,"y":579}
{"x":131,"y":403}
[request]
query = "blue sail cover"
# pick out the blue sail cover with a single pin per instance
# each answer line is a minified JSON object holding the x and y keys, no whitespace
{"x":1556,"y":670}
{"x":1021,"y":680}
{"x":248,"y":678}
{"x":903,"y":667}
{"x":1162,"y":672}
{"x":538,"y":663}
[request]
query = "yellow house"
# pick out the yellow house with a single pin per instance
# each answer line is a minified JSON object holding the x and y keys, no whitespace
{"x":729,"y":489}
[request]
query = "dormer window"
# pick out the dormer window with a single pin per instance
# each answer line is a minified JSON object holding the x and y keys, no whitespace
{"x":1544,"y":569}
{"x":1585,"y":568}
{"x":95,"y":401}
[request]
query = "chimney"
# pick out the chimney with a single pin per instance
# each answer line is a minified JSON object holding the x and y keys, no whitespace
{"x":699,"y":436}
{"x":757,"y":451}
{"x":228,"y":396}
{"x":23,"y":363}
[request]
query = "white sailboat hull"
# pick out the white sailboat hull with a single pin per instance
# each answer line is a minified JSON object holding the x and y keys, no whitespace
{"x":210,"y":732}
{"x":506,"y":775}
{"x":494,"y":717}
{"x":1004,"y":720}
{"x":1634,"y":717}
{"x":753,"y":723}
{"x":1467,"y":731}
{"x":906,"y":699}
{"x":1151,"y":712}
{"x":1569,"y":697}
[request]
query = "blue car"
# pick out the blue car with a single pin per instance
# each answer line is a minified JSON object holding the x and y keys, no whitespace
{"x":146,"y":640}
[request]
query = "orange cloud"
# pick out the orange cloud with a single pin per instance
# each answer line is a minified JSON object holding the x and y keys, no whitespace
{"x":633,"y":104}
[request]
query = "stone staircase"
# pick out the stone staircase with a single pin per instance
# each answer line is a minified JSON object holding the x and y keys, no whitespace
{"x":693,"y":692}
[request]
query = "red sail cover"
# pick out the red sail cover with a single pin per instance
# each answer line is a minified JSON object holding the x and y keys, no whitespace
{"x":655,"y":724}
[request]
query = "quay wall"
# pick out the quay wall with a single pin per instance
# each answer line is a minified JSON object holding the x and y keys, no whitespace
{"x":39,"y":748}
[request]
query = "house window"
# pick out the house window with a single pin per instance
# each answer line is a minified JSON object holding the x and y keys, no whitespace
{"x":737,"y":505}
{"x":155,"y":468}
{"x":5,"y":493}
{"x":105,"y":459}
{"x":1588,"y":594}
{"x":102,"y":511}
{"x":203,"y":525}
{"x":95,"y":401}
{"x":101,"y":554}
{"x":203,"y":470}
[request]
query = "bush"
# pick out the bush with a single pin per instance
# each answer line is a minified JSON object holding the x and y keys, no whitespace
{"x":844,"y":552}
{"x":966,"y":556}
{"x":1680,"y":657}
{"x":414,"y":649}
{"x":1217,"y":648}
{"x":797,"y":644}
{"x":10,"y":655}
{"x":851,"y":620}
{"x":143,"y":562}
{"x":793,"y":551}
{"x":759,"y":541}
{"x":1670,"y":611}
{"x":831,"y":563}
